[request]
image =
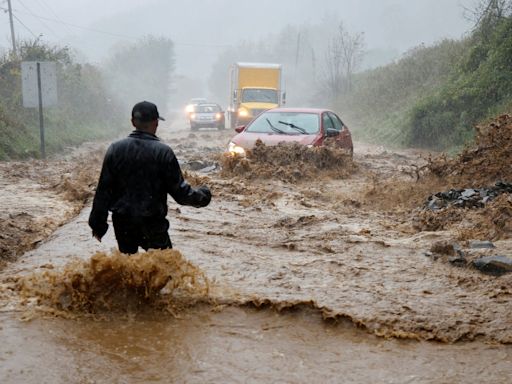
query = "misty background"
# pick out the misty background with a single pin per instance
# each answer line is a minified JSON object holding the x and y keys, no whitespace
{"x":202,"y":31}
{"x":401,"y":73}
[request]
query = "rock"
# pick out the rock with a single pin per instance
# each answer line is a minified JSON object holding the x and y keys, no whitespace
{"x":458,"y":261}
{"x":467,"y":193}
{"x":467,"y":198}
{"x":494,"y":265}
{"x":481,"y":245}
{"x":446,"y":248}
{"x":435,"y":203}
{"x":196,"y":165}
{"x":208,"y":169}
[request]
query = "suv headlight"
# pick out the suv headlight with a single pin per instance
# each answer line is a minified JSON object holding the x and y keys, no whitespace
{"x":235,"y":149}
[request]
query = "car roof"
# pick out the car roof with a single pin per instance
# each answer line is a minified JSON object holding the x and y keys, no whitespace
{"x":303,"y":110}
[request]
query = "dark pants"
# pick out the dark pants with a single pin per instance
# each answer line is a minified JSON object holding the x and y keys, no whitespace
{"x":146,"y":232}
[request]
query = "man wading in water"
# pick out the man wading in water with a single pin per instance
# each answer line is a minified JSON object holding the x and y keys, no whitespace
{"x":137,"y":174}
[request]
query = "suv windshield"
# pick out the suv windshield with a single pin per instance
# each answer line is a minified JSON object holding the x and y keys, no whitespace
{"x":291,"y":123}
{"x":259,"y":96}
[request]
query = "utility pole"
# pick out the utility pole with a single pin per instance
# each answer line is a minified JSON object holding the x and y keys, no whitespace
{"x":12,"y":28}
{"x":297,"y":51}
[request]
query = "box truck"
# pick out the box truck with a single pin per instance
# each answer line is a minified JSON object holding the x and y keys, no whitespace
{"x":254,"y":88}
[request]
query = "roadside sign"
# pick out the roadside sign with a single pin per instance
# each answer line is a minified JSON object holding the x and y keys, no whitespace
{"x":39,"y":88}
{"x":29,"y":84}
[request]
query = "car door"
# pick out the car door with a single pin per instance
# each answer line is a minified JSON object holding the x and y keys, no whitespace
{"x":344,"y":139}
{"x":327,"y":123}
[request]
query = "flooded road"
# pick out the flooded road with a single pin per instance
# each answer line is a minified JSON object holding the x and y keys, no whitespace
{"x":236,"y":345}
{"x":306,"y":281}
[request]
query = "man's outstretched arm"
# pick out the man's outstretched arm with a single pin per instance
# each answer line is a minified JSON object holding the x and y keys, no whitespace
{"x":180,"y":190}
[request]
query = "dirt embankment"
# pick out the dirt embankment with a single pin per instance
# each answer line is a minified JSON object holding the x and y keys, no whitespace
{"x":481,"y":165}
{"x":40,"y":196}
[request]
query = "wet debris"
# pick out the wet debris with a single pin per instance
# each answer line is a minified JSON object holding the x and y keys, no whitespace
{"x":494,"y":265}
{"x":200,"y":166}
{"x":467,"y":198}
{"x":452,"y":252}
{"x":289,"y":163}
{"x":477,"y":244}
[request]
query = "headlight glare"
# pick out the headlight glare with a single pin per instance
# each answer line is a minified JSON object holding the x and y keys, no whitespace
{"x":235,"y":149}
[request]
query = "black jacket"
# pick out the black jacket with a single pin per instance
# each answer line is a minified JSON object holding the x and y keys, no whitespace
{"x":137,"y":174}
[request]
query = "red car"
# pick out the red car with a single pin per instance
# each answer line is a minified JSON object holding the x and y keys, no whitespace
{"x":306,"y":126}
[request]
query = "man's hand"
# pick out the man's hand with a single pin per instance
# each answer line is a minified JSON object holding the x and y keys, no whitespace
{"x":96,"y":236}
{"x":99,"y":231}
{"x":207,"y":195}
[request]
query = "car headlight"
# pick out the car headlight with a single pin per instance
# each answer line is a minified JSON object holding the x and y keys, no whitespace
{"x":189,"y":108}
{"x":242,"y":112}
{"x":235,"y":149}
{"x":192,"y":116}
{"x":218,"y":116}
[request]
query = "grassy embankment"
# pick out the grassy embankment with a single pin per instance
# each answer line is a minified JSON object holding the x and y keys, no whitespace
{"x":434,"y":96}
{"x":84,"y":111}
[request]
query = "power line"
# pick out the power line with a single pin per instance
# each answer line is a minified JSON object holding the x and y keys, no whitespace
{"x":54,"y":14}
{"x":27,"y":28}
{"x":41,"y":21}
{"x":80,"y":27}
{"x":118,"y":34}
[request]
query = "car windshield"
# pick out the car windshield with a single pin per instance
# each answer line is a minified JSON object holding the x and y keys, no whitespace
{"x":207,"y":108}
{"x":259,"y":96}
{"x":291,"y":123}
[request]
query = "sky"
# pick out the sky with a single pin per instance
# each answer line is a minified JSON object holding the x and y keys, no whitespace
{"x":201,"y":29}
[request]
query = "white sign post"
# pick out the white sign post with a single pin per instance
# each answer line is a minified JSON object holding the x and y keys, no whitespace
{"x":39,"y":87}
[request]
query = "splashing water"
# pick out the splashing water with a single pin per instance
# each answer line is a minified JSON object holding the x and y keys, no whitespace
{"x":118,"y":283}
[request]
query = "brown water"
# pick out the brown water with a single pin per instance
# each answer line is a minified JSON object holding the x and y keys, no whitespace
{"x":235,"y":345}
{"x":328,"y":249}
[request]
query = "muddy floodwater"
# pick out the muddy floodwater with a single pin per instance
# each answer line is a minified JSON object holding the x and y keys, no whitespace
{"x":236,"y":345}
{"x":308,"y":280}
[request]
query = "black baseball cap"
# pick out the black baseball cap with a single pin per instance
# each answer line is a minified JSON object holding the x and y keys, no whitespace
{"x":145,"y":111}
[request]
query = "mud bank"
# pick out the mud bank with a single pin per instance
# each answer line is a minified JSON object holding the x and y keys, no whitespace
{"x":40,"y":196}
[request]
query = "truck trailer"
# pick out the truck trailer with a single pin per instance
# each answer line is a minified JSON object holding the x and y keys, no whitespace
{"x":254,"y":88}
